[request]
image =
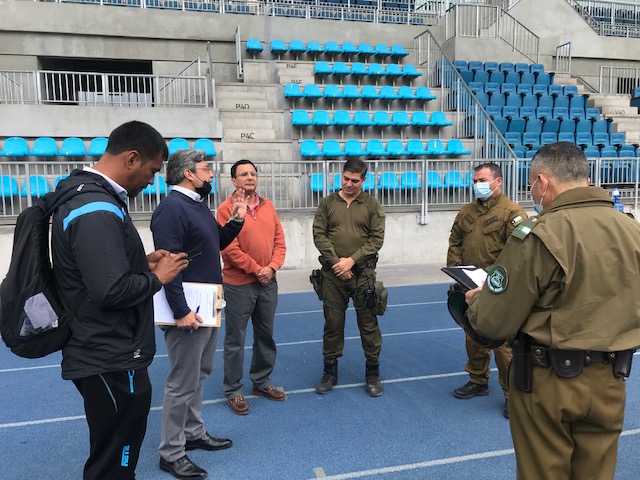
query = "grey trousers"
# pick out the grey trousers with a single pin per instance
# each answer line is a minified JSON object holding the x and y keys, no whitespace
{"x":190,"y":363}
{"x":259,"y":303}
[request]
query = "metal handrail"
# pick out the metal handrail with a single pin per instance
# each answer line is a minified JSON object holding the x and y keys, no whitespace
{"x":563,"y":58}
{"x":238,"y":45}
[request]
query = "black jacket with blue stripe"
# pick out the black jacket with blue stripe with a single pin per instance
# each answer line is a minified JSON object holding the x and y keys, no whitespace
{"x":96,"y":247}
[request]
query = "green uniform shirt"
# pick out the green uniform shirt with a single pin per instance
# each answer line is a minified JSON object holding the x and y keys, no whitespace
{"x":342,"y":230}
{"x":570,"y":280}
{"x":480,"y":231}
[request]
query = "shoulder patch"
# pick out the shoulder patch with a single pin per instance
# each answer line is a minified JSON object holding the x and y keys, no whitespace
{"x":524,"y":228}
{"x":497,"y":279}
{"x":516,"y":221}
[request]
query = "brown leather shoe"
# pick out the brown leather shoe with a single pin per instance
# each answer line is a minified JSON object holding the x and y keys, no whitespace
{"x":238,"y":405}
{"x":271,"y":392}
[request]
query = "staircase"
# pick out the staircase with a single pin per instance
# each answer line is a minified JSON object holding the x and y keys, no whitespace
{"x":624,"y":117}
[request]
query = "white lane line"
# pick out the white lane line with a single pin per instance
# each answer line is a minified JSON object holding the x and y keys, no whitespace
{"x":416,"y":466}
{"x":281,"y":344}
{"x":319,"y":472}
{"x":223,"y":400}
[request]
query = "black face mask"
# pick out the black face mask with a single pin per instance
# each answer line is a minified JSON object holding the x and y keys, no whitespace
{"x":204,"y":190}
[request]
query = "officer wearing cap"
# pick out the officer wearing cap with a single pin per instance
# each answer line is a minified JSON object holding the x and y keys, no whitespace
{"x":479,"y":232}
{"x":567,"y":287}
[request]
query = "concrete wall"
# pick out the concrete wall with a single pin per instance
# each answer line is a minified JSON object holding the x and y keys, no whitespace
{"x":406,"y":242}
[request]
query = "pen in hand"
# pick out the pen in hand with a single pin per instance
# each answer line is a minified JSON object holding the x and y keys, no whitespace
{"x":197,"y":310}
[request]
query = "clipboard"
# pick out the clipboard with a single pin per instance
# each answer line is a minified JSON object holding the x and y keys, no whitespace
{"x":205,"y":298}
{"x":468,"y":276}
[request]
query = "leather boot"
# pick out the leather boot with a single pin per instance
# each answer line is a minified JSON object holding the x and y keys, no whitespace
{"x":329,"y":377}
{"x":372,"y":378}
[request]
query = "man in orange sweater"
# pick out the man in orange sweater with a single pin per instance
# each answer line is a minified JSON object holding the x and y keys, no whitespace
{"x":251,"y":290}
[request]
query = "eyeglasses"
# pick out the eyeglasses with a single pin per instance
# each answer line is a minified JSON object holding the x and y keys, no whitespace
{"x":247,"y":174}
{"x":206,"y":169}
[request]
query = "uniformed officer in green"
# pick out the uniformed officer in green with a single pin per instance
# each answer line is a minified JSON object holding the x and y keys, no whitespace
{"x":348,"y":230}
{"x":567,"y":287}
{"x":479,"y":232}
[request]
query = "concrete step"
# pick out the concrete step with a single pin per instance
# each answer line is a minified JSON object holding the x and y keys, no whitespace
{"x":599,"y":100}
{"x":619,"y":111}
{"x":249,"y":134}
{"x":274,"y":150}
{"x":300,"y":79}
{"x":626,"y":125}
{"x":633,"y":138}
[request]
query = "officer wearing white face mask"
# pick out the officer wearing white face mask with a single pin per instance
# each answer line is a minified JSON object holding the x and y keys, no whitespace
{"x":478,"y":235}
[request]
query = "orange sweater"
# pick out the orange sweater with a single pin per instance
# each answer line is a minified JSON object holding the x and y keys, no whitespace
{"x":260,"y":243}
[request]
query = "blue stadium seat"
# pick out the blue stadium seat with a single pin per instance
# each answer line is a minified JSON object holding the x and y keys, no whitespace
{"x":395,"y":148}
{"x":592,"y":152}
{"x":176,"y":144}
{"x":322,"y":68}
{"x":455,"y":147}
{"x":529,"y":100}
{"x":331,"y":148}
{"x":539,"y":90}
{"x":600,"y":126}
{"x":570,"y":90}
{"x":521,"y":67}
{"x":359,"y":69}
{"x":561,"y":101}
{"x":43,"y":147}
{"x":348,"y":48}
{"x":496,"y":77}
{"x":312,"y":90}
{"x":494,"y":111}
{"x":434,"y":180}
{"x":467,"y":76}
{"x":410,"y":181}
{"x":512,"y":77}
{"x":376,"y":70}
{"x":567,"y":126}
{"x":375,"y":148}
{"x":351,"y":92}
{"x":405,"y":92}
{"x":420,"y":119}
{"x":292,"y":90}
{"x":97,"y":146}
{"x":297,"y":46}
{"x":398,"y":51}
{"x":536,"y":68}
{"x":410,"y":71}
{"x":415,"y":147}
{"x":527,"y":112}
{"x":517,"y":125}
{"x":278,"y":47}
{"x":592,"y":114}
{"x":584,"y":140}
{"x":369,"y":182}
{"x":506,"y":67}
{"x":475,"y":65}
{"x":551,"y":125}
{"x":309,"y":148}
{"x":609,"y":152}
{"x":566,"y":137}
{"x":461,"y":64}
{"x":435,"y":147}
{"x":341,"y":69}
{"x":72,"y":147}
{"x":543,"y":113}
{"x":8,"y":186}
{"x":15,"y":147}
{"x":337,"y":183}
{"x":555,"y":90}
{"x":490,"y":67}
{"x":627,"y":151}
{"x":491,"y":88}
{"x":362,"y":118}
{"x":453,"y":179}
{"x":35,"y":186}
{"x":316,"y":182}
{"x":481,"y":76}
{"x":476,"y":87}
{"x":601,"y":140}
{"x":381,"y":119}
{"x":513,"y":101}
{"x":508,"y":89}
{"x":321,"y":118}
{"x":514,"y":139}
{"x":439,"y":119}
{"x":332,"y":91}
{"x":544,"y":79}
{"x":400,"y":119}
{"x":254,"y":45}
{"x":387,"y":92}
{"x":501,"y":124}
{"x":332,"y":48}
{"x":584,"y":126}
{"x":314,"y":48}
{"x":531,"y":140}
{"x":575,"y":114}
{"x":545,"y":101}
{"x":617,"y":139}
{"x":524,"y":89}
{"x":509,"y":112}
{"x":382,"y":50}
{"x":159,"y":186}
{"x":548,"y":137}
{"x":206,"y":145}
{"x":366,"y":49}
{"x":578,"y":102}
{"x":534,"y":125}
{"x":369,"y":92}
{"x":342,"y":118}
{"x":529,"y":78}
{"x":353,"y":148}
{"x":388,"y":181}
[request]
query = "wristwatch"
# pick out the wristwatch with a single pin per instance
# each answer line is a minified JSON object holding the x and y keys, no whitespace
{"x":235,"y":218}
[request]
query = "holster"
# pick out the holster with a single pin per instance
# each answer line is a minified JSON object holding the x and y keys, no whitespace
{"x":622,"y":364}
{"x":316,"y":281}
{"x":522,"y":363}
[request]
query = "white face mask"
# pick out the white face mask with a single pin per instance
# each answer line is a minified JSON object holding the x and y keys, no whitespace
{"x":482,"y":190}
{"x":538,"y":207}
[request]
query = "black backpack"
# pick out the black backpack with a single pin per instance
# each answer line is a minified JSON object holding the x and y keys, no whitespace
{"x":33,"y":320}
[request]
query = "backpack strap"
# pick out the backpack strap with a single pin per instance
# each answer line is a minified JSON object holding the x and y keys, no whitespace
{"x":52,"y":204}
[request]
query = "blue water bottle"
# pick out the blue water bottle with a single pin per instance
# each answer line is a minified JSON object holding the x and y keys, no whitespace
{"x":616,"y":200}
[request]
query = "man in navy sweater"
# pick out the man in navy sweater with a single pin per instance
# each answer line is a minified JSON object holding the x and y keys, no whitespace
{"x":183,"y":222}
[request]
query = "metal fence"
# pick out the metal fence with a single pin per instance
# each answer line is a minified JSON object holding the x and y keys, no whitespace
{"x":610,"y":18}
{"x":117,"y":90}
{"x":411,"y":184}
{"x":619,"y":80}
{"x":563,"y":58}
{"x":484,"y":21}
{"x":401,"y":13}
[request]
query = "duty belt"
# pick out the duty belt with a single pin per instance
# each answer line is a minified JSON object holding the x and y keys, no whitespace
{"x":568,"y":363}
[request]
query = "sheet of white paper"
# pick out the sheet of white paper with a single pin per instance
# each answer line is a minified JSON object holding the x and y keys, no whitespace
{"x":200,"y":297}
{"x":478,"y":275}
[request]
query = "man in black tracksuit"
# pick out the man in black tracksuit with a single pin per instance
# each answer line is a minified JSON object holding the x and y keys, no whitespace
{"x":96,"y":249}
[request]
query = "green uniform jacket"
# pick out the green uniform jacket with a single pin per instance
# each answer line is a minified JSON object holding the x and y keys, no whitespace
{"x":355,"y":230}
{"x":480,"y":231}
{"x":570,"y":280}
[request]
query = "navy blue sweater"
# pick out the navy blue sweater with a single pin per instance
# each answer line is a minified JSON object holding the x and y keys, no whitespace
{"x":180,"y":224}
